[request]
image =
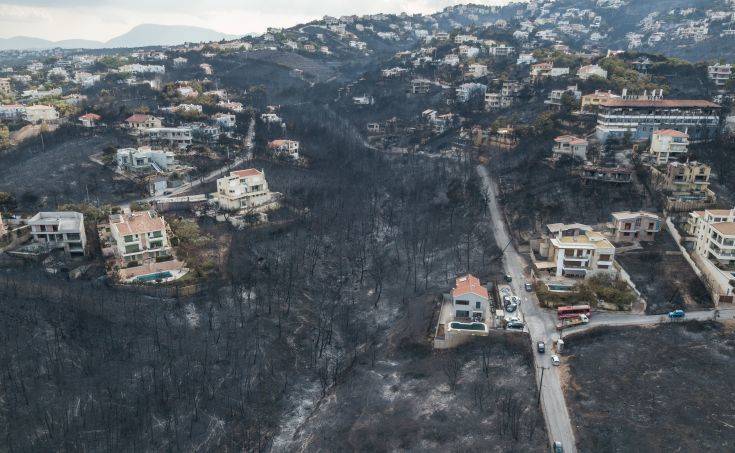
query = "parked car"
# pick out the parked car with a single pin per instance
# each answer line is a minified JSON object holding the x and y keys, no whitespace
{"x":508,"y":278}
{"x":514,"y":325}
{"x":677,"y":314}
{"x":541,"y":347}
{"x":529,"y":287}
{"x":506,"y":300}
{"x":555,"y":360}
{"x":558,"y":448}
{"x":511,"y":307}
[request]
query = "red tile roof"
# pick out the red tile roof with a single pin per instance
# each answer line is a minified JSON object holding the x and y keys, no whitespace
{"x":671,"y":133}
{"x":469,"y":284}
{"x":247,"y":172}
{"x":138,"y":118}
{"x":91,"y":116}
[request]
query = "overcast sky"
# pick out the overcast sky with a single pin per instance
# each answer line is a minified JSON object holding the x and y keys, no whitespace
{"x":105,"y":19}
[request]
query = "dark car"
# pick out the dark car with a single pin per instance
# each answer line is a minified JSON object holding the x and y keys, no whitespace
{"x":541,"y":347}
{"x":508,"y":278}
{"x":558,"y":448}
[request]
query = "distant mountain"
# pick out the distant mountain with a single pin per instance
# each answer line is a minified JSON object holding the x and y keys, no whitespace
{"x":140,"y":36}
{"x":165,"y":35}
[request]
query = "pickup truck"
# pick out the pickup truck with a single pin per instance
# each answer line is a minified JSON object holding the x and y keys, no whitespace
{"x":571,"y":322}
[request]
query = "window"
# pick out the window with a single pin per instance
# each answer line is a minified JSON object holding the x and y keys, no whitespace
{"x":463,"y":302}
{"x":132,"y":248}
{"x":73,"y":236}
{"x":462,"y":314}
{"x":156,"y":234}
{"x":129,"y":238}
{"x":478,"y":305}
{"x":604,"y":258}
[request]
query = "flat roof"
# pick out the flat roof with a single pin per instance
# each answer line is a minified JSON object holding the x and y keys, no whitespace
{"x":658,"y":103}
{"x":726,"y":228}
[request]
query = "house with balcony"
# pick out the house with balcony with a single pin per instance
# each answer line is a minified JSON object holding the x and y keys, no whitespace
{"x":627,"y":226}
{"x":712,"y":233}
{"x":173,"y":137}
{"x":719,"y":74}
{"x":139,"y":237}
{"x":60,"y":230}
{"x":556,"y":96}
{"x":668,"y":145}
{"x":469,"y":299}
{"x":591,"y":101}
{"x":574,"y":250}
{"x":570,"y":145}
{"x":243,"y":189}
{"x":144,"y":159}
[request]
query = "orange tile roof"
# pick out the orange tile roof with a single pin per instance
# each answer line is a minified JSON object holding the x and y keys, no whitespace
{"x":139,"y":223}
{"x":469,"y":284}
{"x":671,"y":133}
{"x":247,"y":172}
{"x":571,"y":139}
{"x":138,"y":118}
{"x":91,"y":116}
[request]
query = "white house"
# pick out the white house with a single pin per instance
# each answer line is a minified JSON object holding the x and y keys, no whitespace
{"x":469,"y":298}
{"x":144,"y":159}
{"x":585,"y":72}
{"x":242,"y":189}
{"x":60,"y":230}
{"x":569,"y":145}
{"x":225,"y":120}
{"x":668,"y":145}
{"x":179,"y":137}
{"x":89,"y":119}
{"x":139,"y":236}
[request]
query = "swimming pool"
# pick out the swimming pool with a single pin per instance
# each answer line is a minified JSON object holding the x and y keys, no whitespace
{"x":478,"y":326}
{"x":559,"y":287}
{"x":153,"y":277}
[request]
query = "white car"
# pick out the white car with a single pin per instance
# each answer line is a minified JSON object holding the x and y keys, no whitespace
{"x":555,"y":360}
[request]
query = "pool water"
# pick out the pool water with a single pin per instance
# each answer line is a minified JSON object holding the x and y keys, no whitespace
{"x":154,"y":277}
{"x":467,"y":326}
{"x":559,"y":287}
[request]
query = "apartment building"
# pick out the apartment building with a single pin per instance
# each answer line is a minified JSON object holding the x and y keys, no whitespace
{"x":477,"y":70}
{"x":495,"y":101}
{"x":686,"y":178}
{"x":242,"y":189}
{"x":629,"y":226}
{"x":60,"y":230}
{"x":575,"y":250}
{"x":139,"y":237}
{"x":288,"y":148}
{"x":144,"y":159}
{"x":570,"y":145}
{"x":141,"y":121}
{"x":556,"y":96}
{"x":225,"y":120}
{"x":175,"y":137}
{"x":712,"y":232}
{"x":469,"y":298}
{"x":719,"y":74}
{"x":638,"y":118}
{"x":668,"y":145}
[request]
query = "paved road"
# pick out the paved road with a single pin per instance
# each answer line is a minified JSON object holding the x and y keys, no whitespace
{"x":541,"y":326}
{"x":626,"y":319}
{"x":211,"y":176}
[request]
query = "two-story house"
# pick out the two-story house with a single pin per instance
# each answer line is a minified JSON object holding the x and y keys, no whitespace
{"x":288,"y":148}
{"x":242,"y":189}
{"x":569,"y":145}
{"x":668,"y":145}
{"x":575,"y":250}
{"x":60,"y":230}
{"x":141,"y":121}
{"x":139,"y":237}
{"x":629,"y":226}
{"x":469,"y":298}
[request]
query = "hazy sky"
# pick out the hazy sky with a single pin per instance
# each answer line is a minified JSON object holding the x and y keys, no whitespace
{"x":104,"y":19}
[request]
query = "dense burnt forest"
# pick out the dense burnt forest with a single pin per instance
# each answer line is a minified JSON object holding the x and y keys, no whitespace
{"x":89,"y":368}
